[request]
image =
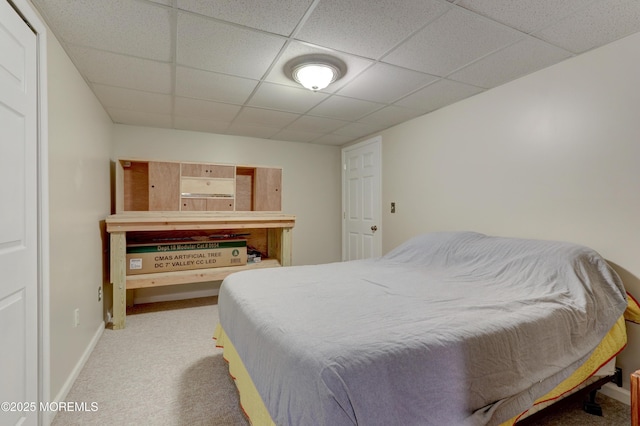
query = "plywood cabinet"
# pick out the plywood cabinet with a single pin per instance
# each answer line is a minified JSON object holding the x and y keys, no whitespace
{"x":149,"y":186}
{"x":258,"y":189}
{"x":146,"y":185}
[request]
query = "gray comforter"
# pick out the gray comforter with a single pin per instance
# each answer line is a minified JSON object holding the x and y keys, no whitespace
{"x":447,"y":329}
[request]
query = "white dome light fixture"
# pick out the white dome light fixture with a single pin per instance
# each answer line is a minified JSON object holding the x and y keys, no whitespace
{"x":315,"y":76}
{"x":315,"y":72}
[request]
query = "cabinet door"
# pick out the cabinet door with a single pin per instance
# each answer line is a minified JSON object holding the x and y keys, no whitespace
{"x":267,"y":189}
{"x":220,"y":204}
{"x":193,"y":204}
{"x":207,"y":204}
{"x":208,"y":170}
{"x":164,"y":186}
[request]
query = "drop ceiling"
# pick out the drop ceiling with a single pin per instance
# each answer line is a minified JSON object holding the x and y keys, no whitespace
{"x":217,"y":66}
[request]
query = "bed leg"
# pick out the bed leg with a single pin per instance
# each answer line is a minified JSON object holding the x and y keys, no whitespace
{"x":591,"y":406}
{"x":617,"y":377}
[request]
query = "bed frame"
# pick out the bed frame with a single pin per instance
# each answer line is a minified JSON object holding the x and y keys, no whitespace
{"x":587,"y":394}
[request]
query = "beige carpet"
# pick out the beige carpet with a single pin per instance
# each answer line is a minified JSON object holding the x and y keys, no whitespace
{"x":164,"y":369}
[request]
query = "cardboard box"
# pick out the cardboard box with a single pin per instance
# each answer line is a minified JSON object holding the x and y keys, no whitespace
{"x":182,"y":256}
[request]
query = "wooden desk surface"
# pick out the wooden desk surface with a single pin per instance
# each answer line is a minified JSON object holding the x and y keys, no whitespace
{"x":175,"y":221}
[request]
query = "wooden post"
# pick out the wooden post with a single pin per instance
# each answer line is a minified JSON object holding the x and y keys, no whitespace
{"x":286,"y":246}
{"x":119,"y":278}
{"x":635,"y":398}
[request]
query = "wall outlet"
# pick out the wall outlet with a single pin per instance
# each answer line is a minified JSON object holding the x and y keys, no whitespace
{"x":393,"y":207}
{"x":76,"y":317}
{"x":100,"y":294}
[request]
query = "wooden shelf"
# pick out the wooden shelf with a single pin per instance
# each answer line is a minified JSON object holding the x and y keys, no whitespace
{"x":270,"y":232}
{"x":193,"y":276}
{"x":176,"y":221}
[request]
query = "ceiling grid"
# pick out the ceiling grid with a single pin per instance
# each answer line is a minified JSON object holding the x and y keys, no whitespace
{"x":219,"y":66}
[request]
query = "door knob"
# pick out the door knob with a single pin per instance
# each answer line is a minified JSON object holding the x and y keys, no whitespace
{"x":374,"y":228}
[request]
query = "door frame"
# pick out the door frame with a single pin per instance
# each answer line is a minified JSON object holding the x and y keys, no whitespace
{"x":29,"y":15}
{"x":377,"y":141}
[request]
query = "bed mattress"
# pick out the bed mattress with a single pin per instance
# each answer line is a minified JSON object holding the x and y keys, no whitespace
{"x":449,"y":328}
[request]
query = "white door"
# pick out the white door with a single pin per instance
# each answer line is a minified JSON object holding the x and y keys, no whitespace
{"x":18,"y":221}
{"x":361,"y":200}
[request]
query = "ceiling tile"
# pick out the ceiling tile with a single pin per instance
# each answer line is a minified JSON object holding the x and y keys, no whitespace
{"x":139,"y":118}
{"x":356,"y":130}
{"x":391,"y":115}
{"x":367,"y":28}
{"x":111,"y":69}
{"x":210,"y":45}
{"x":113,"y":25}
{"x":354,"y":64}
{"x":255,"y":131}
{"x":525,"y":15}
{"x":213,"y":86}
{"x":602,"y":22}
{"x":266,"y":117}
{"x":332,"y":139}
{"x":285,"y":98}
{"x":321,"y":125}
{"x":134,"y":100}
{"x":453,"y":40}
{"x":438,"y":94}
{"x":276,"y":16}
{"x":385,"y":83}
{"x":517,"y":60}
{"x":200,"y":124}
{"x":296,"y":136}
{"x":345,"y":108}
{"x":215,"y":111}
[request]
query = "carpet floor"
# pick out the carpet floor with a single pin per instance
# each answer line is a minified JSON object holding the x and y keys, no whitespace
{"x":164,"y":369}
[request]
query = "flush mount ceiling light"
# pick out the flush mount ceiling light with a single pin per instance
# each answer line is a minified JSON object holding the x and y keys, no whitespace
{"x":315,"y":72}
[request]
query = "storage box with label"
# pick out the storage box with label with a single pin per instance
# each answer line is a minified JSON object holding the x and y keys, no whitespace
{"x":181,"y":256}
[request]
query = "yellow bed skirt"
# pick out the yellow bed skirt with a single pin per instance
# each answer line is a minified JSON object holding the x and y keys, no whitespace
{"x":250,"y":399}
{"x":256,"y":411}
{"x":610,"y":347}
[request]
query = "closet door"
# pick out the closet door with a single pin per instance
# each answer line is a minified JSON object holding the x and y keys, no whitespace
{"x":19,"y":242}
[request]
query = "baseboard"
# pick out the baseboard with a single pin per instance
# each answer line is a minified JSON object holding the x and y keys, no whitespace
{"x":619,"y":394}
{"x":62,"y":395}
{"x":176,"y":296}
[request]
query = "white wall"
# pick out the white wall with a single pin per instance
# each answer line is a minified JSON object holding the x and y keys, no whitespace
{"x":554,"y":155}
{"x":79,"y":148}
{"x":311,"y":182}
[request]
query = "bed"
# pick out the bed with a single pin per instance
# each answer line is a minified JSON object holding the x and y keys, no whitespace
{"x":448,"y":328}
